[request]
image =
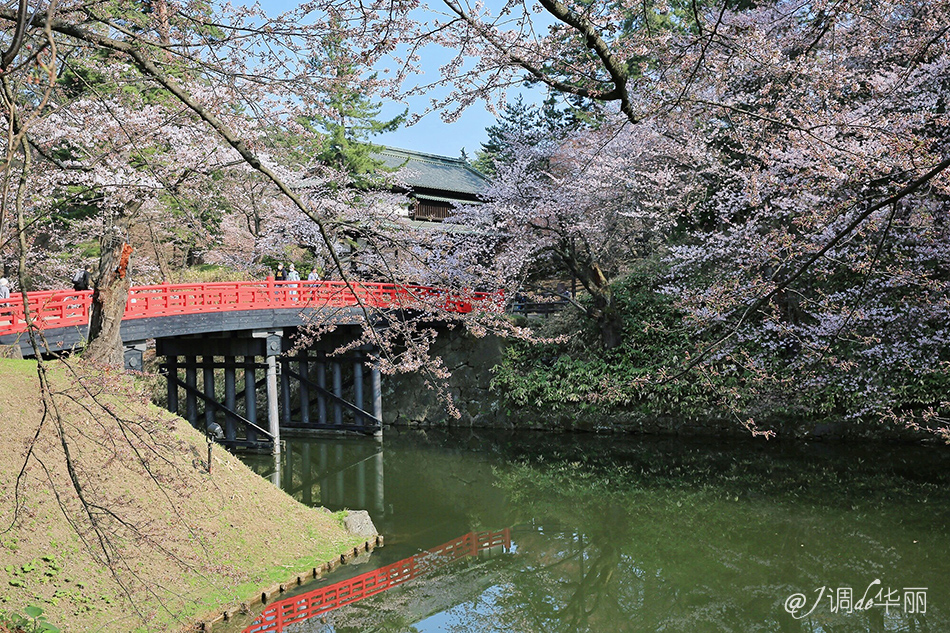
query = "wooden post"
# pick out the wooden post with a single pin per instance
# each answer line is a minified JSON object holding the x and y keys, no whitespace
{"x":275,"y":476}
{"x":191,"y":400}
{"x":304,"y":371}
{"x":273,"y":418}
{"x":376,"y":385}
{"x":171,"y":367}
{"x":250,"y":396}
{"x":230,"y":398}
{"x":207,"y":363}
{"x":358,"y":391}
{"x":273,"y":410}
{"x":322,"y":383}
{"x":338,"y":392}
{"x":284,"y":391}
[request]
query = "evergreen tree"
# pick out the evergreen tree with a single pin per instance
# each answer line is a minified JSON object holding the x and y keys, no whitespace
{"x":349,"y":118}
{"x":521,"y":122}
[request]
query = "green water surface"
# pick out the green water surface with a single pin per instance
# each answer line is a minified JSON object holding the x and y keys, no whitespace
{"x":640,"y":534}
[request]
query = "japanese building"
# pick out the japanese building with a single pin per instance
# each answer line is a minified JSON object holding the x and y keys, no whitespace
{"x":435,"y":184}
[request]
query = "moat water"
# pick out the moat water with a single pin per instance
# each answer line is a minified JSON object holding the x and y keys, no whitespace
{"x":638,"y":534}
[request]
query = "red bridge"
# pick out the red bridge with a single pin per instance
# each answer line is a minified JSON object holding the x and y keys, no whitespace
{"x":249,"y":331}
{"x":54,"y":309}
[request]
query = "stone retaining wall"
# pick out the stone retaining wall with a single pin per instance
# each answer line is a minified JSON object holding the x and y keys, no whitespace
{"x":407,"y":401}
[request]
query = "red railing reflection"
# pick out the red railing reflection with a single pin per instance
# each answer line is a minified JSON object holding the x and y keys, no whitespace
{"x":325,"y":599}
{"x":62,"y":308}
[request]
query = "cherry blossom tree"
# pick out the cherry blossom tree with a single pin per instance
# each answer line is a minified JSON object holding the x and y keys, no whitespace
{"x":155,"y":105}
{"x":754,"y":79}
{"x":589,"y":206}
{"x":116,"y":120}
{"x":200,"y":99}
{"x":764,"y":138}
{"x":814,"y":254}
{"x":833,"y":223}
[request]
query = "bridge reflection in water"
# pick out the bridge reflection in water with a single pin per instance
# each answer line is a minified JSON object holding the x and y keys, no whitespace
{"x":325,"y":599}
{"x":336,"y":473}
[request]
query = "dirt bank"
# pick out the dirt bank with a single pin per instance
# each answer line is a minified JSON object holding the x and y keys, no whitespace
{"x":139,"y":536}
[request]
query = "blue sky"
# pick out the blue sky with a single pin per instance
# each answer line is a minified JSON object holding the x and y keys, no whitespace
{"x":433,"y":136}
{"x":430,"y":134}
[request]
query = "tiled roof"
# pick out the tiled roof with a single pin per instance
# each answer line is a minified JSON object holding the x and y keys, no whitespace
{"x":433,"y":172}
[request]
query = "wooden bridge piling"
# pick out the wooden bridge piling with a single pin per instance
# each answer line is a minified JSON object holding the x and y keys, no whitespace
{"x":196,"y":324}
{"x":338,"y":392}
{"x":230,"y":397}
{"x":297,"y":396}
{"x":303,"y":367}
{"x":376,"y":382}
{"x":273,"y":415}
{"x":250,"y":396}
{"x":172,"y":391}
{"x":191,"y":379}
{"x":207,"y":370}
{"x":322,"y":384}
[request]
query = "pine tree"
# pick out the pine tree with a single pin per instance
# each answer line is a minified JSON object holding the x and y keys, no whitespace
{"x":521,"y":122}
{"x":350,"y":119}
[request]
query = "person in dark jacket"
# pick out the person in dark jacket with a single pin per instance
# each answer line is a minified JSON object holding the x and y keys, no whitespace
{"x":81,"y":279}
{"x":281,"y":274}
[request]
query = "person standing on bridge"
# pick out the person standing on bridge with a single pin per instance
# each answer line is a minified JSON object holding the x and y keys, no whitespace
{"x":4,"y":288}
{"x":313,"y":276}
{"x":293,"y":275}
{"x":279,"y":275}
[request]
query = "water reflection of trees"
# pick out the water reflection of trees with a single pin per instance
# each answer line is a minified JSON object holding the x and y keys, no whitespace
{"x":618,"y":535}
{"x":695,"y":543}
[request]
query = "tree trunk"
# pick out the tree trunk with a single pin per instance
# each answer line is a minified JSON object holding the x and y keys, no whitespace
{"x":609,"y":320}
{"x":605,"y":313}
{"x":108,"y":301}
{"x":160,"y":257}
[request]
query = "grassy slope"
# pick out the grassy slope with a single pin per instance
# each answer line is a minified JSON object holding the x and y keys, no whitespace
{"x":182,"y":542}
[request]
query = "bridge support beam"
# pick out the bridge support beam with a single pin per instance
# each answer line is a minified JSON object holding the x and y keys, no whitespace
{"x":250,"y":395}
{"x":376,"y":386}
{"x":304,"y":391}
{"x":171,"y":368}
{"x":230,"y":398}
{"x":303,"y":366}
{"x":207,"y":373}
{"x":191,"y":380}
{"x":322,"y":384}
{"x":284,"y":390}
{"x":338,"y":392}
{"x":273,"y":412}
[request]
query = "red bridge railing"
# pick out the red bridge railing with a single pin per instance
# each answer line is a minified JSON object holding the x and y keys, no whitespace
{"x":320,"y":601}
{"x":67,"y":308}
